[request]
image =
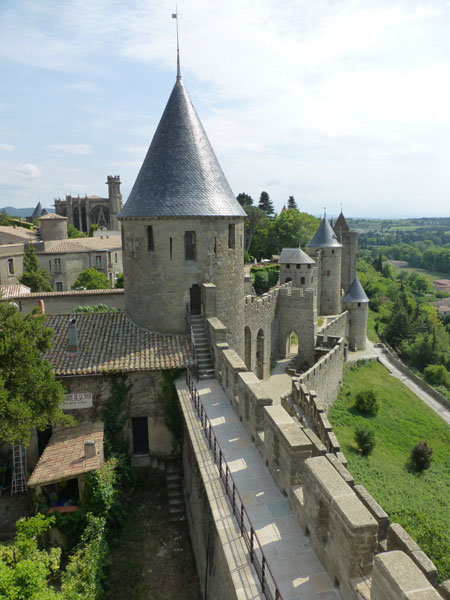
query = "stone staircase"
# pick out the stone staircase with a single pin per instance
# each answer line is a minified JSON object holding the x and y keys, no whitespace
{"x":203,"y":352}
{"x":174,"y":479}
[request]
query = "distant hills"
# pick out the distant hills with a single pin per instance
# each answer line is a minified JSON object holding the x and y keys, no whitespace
{"x":22,"y":212}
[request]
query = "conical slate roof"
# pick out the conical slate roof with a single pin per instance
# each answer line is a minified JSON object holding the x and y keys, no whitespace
{"x":295,"y":256}
{"x":37,"y":212}
{"x":341,"y":224}
{"x":356,"y":293}
{"x":324,"y":237}
{"x":180,"y":176}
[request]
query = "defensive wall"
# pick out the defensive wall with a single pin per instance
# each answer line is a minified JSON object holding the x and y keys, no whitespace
{"x":335,"y":325}
{"x":367,"y":557}
{"x":62,"y":303}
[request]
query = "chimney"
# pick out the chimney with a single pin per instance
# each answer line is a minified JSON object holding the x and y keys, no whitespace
{"x":72,"y":337}
{"x":90,"y":449}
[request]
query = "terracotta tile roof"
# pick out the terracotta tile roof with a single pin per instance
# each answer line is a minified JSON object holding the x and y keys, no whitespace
{"x":52,"y":217}
{"x":111,"y":342}
{"x":69,"y":293}
{"x":18,"y":232}
{"x":12,"y":291}
{"x":82,"y":245}
{"x":63,"y":458}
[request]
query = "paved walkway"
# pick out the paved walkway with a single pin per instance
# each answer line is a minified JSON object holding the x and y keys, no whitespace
{"x":296,"y":568}
{"x":372,"y":351}
{"x":279,"y":382}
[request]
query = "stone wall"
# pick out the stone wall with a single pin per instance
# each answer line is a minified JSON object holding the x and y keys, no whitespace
{"x":336,"y":326}
{"x":349,"y":531}
{"x":11,"y":258}
{"x":142,"y":401}
{"x":62,"y":303}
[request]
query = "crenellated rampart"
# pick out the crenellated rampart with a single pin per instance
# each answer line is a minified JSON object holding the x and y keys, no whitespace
{"x":365,"y":555}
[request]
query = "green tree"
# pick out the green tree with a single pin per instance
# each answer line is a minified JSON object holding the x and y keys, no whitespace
{"x":255,"y":216}
{"x":92,"y":228}
{"x":37,"y":279}
{"x":120,"y":281}
{"x":292,"y":229}
{"x":73,"y":232}
{"x":244,"y":199}
{"x":91,"y":279}
{"x":93,"y":308}
{"x":266,"y":204}
{"x":292,"y":203}
{"x":5,"y":219}
{"x":30,"y":397}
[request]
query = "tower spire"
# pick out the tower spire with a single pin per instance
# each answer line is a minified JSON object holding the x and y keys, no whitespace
{"x":175,"y":16}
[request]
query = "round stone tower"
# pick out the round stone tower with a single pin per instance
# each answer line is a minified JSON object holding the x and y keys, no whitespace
{"x":326,"y":250}
{"x":115,"y":199}
{"x":298,"y":267}
{"x":357,"y":304}
{"x":181,"y":227}
{"x":349,"y":241}
{"x":53,"y":227}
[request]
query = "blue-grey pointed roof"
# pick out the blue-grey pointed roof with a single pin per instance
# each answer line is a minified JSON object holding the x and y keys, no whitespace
{"x":295,"y":256}
{"x":37,"y":212}
{"x":181,"y":176}
{"x":356,"y":293}
{"x":324,"y":237}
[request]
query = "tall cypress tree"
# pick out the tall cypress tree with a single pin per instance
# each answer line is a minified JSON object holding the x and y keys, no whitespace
{"x":37,"y":279}
{"x":266,"y":204}
{"x":292,"y":203}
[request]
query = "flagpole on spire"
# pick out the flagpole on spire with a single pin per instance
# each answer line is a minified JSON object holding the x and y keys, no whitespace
{"x":175,"y":16}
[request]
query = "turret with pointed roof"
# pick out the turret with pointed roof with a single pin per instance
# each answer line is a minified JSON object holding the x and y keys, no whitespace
{"x":357,"y":304}
{"x":326,"y":249}
{"x":181,"y":176}
{"x":182,"y":227}
{"x":298,"y":267}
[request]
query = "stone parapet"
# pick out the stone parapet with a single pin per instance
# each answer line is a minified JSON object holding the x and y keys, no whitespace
{"x":396,"y":577}
{"x":399,"y":539}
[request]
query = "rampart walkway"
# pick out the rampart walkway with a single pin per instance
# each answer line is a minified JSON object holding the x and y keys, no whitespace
{"x":298,"y":572}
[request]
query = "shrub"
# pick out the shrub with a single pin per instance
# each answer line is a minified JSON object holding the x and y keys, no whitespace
{"x":367,"y":402}
{"x":437,"y":375}
{"x":365,"y":440}
{"x":247,"y":257}
{"x":421,"y":456}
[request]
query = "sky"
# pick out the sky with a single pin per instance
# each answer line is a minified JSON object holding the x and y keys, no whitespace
{"x":336,"y":102}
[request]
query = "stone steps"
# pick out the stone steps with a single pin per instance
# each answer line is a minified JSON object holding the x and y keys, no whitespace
{"x":175,"y":494}
{"x":202,"y":349}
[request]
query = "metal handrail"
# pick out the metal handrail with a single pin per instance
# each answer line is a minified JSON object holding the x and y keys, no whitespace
{"x":191,"y":333}
{"x":257,"y":556}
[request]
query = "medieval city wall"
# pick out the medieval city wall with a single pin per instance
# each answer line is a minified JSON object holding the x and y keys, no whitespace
{"x":348,"y":530}
{"x":336,"y":326}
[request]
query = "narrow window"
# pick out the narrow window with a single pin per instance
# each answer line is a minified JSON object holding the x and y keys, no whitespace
{"x":49,"y":265}
{"x":98,"y":261}
{"x":288,"y":266}
{"x":57,"y":265}
{"x":328,"y":273}
{"x":150,"y":242}
{"x":115,"y":257}
{"x":139,"y":426}
{"x":122,"y":237}
{"x":215,"y":246}
{"x":309,"y":266}
{"x":109,"y":257}
{"x":297,"y":266}
{"x":189,"y":245}
{"x":11,"y":266}
{"x":359,"y":304}
{"x":59,"y":286}
{"x":332,"y":252}
{"x":231,"y":235}
{"x":170,"y":245}
{"x":302,"y":280}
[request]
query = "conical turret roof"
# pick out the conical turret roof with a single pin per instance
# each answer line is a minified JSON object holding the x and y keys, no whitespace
{"x":295,"y":256}
{"x":341,"y":224}
{"x":324,"y":237}
{"x":37,"y":211}
{"x":181,"y":176}
{"x":356,"y":293}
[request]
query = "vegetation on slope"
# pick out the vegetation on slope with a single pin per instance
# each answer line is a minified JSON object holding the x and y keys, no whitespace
{"x":419,"y":501}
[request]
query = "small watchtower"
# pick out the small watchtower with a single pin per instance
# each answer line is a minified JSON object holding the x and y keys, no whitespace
{"x":357,"y":304}
{"x":298,"y":267}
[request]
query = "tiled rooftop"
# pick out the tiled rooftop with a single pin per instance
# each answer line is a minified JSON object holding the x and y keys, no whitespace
{"x":111,"y":342}
{"x":68,"y":293}
{"x":82,"y":245}
{"x":12,"y":291}
{"x":64,"y":458}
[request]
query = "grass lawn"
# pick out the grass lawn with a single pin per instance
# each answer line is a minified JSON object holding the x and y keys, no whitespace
{"x":430,"y":275}
{"x":420,"y":502}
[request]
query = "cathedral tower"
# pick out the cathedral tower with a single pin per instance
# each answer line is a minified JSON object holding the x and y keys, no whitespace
{"x":181,"y":227}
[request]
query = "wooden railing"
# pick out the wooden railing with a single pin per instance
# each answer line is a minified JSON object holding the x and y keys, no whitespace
{"x":254,"y":547}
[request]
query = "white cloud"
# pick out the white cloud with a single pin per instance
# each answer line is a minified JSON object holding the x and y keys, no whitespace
{"x":7,"y":147}
{"x":71,"y":148}
{"x":28,"y":171}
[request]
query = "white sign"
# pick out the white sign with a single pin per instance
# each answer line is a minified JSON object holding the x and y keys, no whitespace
{"x":74,"y":401}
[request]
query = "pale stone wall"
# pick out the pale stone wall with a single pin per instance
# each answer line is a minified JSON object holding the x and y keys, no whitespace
{"x":164,"y":277}
{"x":62,"y":303}
{"x":357,"y":324}
{"x":349,"y":241}
{"x":330,"y":275}
{"x":336,"y":326}
{"x":15,"y":253}
{"x":302,"y":276}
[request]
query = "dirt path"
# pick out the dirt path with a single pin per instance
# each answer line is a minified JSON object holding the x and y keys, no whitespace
{"x":152,"y":558}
